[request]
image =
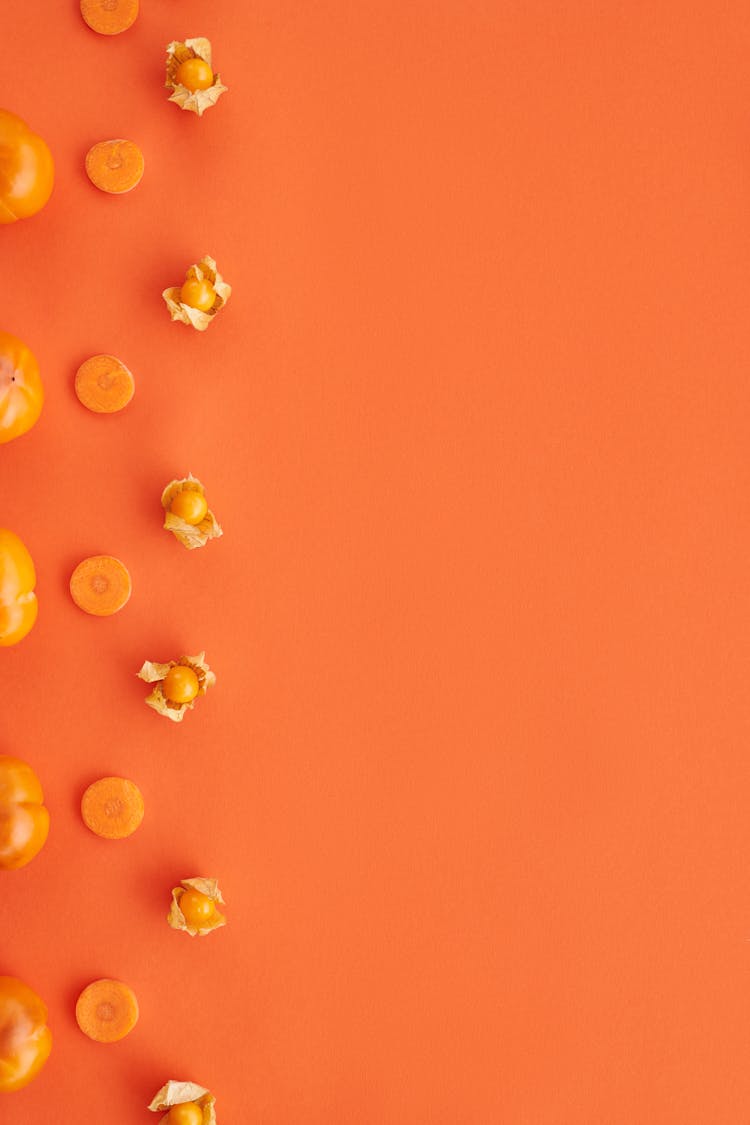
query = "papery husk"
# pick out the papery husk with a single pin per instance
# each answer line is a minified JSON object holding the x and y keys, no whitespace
{"x":196,"y":101}
{"x":154,"y":674}
{"x":189,"y":534}
{"x":176,"y":918}
{"x":200,"y":320}
{"x":175,"y":1093}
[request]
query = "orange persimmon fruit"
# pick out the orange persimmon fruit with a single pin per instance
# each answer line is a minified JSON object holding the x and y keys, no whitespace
{"x":21,"y":390}
{"x":27,"y":170}
{"x":107,"y":1010}
{"x":18,"y":604}
{"x":24,"y":820}
{"x":25,"y":1039}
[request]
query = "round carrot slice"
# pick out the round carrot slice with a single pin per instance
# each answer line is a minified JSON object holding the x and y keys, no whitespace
{"x":112,"y":807}
{"x":104,"y":384}
{"x":115,"y":166}
{"x":100,"y":585}
{"x":107,"y":1010}
{"x":109,"y":17}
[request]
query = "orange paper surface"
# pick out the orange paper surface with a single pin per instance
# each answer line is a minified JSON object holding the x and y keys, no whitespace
{"x":473,"y":776}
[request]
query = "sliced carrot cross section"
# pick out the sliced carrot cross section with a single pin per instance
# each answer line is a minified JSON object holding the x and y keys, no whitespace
{"x":115,"y":166}
{"x":104,"y":384}
{"x":107,"y":1010}
{"x":109,"y":17}
{"x":100,"y":585}
{"x":112,"y":807}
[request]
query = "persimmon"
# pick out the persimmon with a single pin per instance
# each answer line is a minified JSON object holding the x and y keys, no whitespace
{"x":21,"y":390}
{"x":25,"y":1039}
{"x":107,"y":1010}
{"x":27,"y":170}
{"x":18,"y":604}
{"x":24,"y":820}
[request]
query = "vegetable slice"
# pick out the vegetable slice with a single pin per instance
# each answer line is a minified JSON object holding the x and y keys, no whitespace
{"x":112,"y":807}
{"x":107,"y":1010}
{"x":109,"y":17}
{"x":115,"y":166}
{"x":104,"y":384}
{"x":100,"y":585}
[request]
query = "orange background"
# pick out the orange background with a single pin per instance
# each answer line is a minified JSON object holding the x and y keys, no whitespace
{"x":474,"y":776}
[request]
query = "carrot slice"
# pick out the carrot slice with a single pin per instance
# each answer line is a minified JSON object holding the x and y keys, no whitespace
{"x":100,"y":585}
{"x":109,"y":17}
{"x":112,"y":807}
{"x":107,"y":1010}
{"x":104,"y":384}
{"x":115,"y":166}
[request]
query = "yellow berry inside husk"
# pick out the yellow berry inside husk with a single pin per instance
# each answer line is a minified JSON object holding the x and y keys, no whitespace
{"x":185,"y":1113}
{"x":196,"y":907}
{"x":194,"y":74}
{"x":198,"y":294}
{"x":180,"y":685}
{"x":190,"y":505}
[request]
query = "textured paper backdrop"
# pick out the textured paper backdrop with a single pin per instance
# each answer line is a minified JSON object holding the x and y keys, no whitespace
{"x":474,"y":776}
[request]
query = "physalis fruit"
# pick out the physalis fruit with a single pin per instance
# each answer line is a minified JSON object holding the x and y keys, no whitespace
{"x":195,"y":905}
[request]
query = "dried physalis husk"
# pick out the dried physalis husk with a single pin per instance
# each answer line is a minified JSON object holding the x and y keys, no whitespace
{"x":207,"y":887}
{"x":200,"y":319}
{"x":189,"y":534}
{"x":197,"y":101}
{"x":156,"y":674}
{"x":177,"y":1093}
